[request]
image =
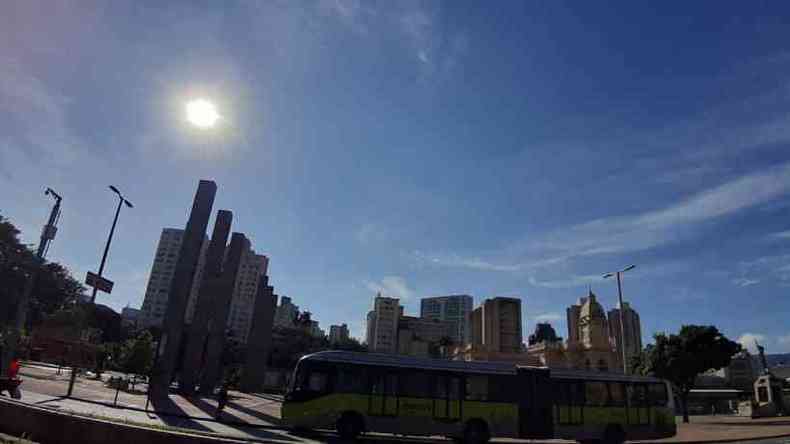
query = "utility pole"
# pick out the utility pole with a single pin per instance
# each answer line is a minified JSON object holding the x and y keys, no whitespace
{"x":622,"y":318}
{"x":20,"y":318}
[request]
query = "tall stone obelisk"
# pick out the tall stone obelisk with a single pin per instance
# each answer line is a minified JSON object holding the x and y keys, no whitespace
{"x":260,"y":337}
{"x":186,"y":266}
{"x":212,"y":370}
{"x":204,"y":310}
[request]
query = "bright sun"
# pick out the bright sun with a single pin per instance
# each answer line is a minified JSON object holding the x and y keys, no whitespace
{"x":202,"y":113}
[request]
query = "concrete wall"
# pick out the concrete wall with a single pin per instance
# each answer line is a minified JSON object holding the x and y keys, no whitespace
{"x":52,"y":427}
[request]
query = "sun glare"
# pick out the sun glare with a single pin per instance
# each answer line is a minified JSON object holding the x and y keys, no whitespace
{"x":202,"y":113}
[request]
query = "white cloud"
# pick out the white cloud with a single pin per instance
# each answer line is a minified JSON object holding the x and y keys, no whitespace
{"x":569,"y":282}
{"x":784,"y":343}
{"x":747,"y":340}
{"x":548,"y":317}
{"x":745,"y":282}
{"x":391,"y":286}
{"x":781,"y":235}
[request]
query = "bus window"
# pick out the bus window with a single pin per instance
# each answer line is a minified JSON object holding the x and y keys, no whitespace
{"x":318,"y":382}
{"x":595,"y":393}
{"x":454,"y":387}
{"x":477,"y":388}
{"x":577,"y":393}
{"x":392,"y":384}
{"x":637,"y":395}
{"x":657,"y":393}
{"x":562,"y":393}
{"x":416,"y":385}
{"x":351,"y":380}
{"x":616,"y":395}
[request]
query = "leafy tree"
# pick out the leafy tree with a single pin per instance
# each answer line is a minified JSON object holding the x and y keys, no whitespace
{"x":137,"y":354}
{"x":680,"y":357}
{"x":351,"y":344}
{"x":290,"y":344}
{"x":54,"y":288}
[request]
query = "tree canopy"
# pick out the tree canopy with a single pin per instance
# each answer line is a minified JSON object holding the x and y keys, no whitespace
{"x":54,"y":287}
{"x":680,"y":357}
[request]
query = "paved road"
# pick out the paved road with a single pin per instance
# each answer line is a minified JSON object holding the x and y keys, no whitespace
{"x":257,"y":416}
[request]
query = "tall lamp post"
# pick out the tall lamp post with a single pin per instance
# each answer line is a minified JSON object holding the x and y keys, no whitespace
{"x":121,"y":201}
{"x":620,"y":298}
{"x":47,"y":235}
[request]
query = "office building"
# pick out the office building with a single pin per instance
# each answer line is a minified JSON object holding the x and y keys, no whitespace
{"x":496,"y":325}
{"x":252,"y":267}
{"x":286,"y":313}
{"x":454,"y":309}
{"x":383,"y":336}
{"x":338,"y":334}
{"x":418,"y":336}
{"x":130,"y":316}
{"x":161,"y":276}
{"x":632,"y":330}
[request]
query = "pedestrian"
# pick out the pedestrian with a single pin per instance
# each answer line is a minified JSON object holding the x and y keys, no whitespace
{"x":222,"y":400}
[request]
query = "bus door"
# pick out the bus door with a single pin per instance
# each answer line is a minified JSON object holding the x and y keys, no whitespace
{"x":383,"y":400}
{"x":638,"y":407}
{"x":535,"y":402}
{"x":447,"y":398}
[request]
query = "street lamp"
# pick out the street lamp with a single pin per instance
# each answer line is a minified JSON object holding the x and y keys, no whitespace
{"x":121,"y":201}
{"x":620,"y":297}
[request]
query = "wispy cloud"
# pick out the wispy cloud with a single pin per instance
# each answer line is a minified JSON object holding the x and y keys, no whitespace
{"x":780,"y":235}
{"x":391,"y":286}
{"x":784,"y":343}
{"x":745,"y":282}
{"x":548,"y":317}
{"x":747,"y":340}
{"x":569,"y":282}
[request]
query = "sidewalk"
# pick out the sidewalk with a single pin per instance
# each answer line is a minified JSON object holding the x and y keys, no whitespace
{"x":728,"y":428}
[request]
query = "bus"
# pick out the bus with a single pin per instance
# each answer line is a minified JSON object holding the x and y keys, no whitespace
{"x":354,"y":393}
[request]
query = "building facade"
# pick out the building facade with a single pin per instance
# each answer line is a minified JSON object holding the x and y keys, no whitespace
{"x":286,"y":313}
{"x":454,"y":309}
{"x":383,"y":337}
{"x":130,"y":316}
{"x":338,"y":334}
{"x":632,"y":331}
{"x":497,"y":325}
{"x":252,"y":267}
{"x":161,"y":276}
{"x":593,"y":350}
{"x":156,"y":295}
{"x":418,"y":336}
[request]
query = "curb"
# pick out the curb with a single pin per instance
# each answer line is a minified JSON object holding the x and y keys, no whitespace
{"x":751,"y":438}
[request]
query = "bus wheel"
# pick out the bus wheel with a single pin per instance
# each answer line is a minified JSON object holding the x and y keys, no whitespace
{"x":476,"y":432}
{"x":614,"y":434}
{"x":349,"y":426}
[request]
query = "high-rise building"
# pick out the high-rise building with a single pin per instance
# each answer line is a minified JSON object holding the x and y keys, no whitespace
{"x":246,"y":287}
{"x":496,"y":325}
{"x":286,"y":313}
{"x":156,"y":295}
{"x":418,"y":336}
{"x":370,"y":331}
{"x":384,"y":335}
{"x":315,"y":330}
{"x":338,"y":334}
{"x":572,"y":314}
{"x":632,"y":331}
{"x":454,"y":309}
{"x":162,"y":271}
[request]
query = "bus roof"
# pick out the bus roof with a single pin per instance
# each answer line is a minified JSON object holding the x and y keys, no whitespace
{"x":560,"y":373}
{"x":388,"y":360}
{"x":489,"y":367}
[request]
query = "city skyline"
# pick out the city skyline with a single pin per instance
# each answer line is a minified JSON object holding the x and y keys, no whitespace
{"x":459,"y":154}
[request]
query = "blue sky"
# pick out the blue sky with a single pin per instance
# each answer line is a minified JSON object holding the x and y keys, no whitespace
{"x":421,"y":148}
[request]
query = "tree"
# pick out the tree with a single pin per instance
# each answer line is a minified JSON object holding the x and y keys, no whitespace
{"x":137,"y":354}
{"x":54,"y":288}
{"x":350,"y":344}
{"x":680,"y":358}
